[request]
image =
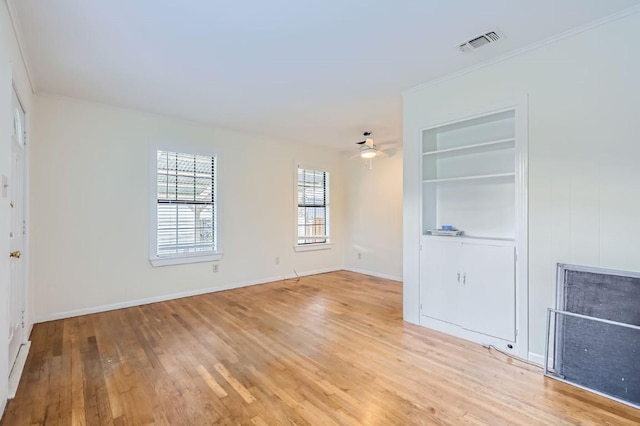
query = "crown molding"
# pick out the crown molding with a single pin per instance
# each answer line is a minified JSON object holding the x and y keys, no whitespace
{"x":17,"y":31}
{"x":570,"y":33}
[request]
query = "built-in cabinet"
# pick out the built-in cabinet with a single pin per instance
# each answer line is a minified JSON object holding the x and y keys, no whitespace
{"x":473,"y":177}
{"x":470,"y":284}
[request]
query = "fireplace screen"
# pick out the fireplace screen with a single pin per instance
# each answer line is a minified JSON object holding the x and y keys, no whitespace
{"x":594,"y":334}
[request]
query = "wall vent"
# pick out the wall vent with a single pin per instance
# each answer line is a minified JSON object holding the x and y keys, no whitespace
{"x":482,"y":40}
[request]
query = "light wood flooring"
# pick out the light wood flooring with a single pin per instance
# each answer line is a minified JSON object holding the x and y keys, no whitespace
{"x":329,"y":349}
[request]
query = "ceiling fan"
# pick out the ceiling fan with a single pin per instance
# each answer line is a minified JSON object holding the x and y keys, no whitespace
{"x":368,"y":150}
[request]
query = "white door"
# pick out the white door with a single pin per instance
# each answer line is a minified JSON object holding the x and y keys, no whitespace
{"x":489,"y":290}
{"x":439,"y":280}
{"x":17,"y":233}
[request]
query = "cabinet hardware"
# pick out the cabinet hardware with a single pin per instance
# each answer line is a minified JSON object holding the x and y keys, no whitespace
{"x":458,"y":276}
{"x":464,"y":278}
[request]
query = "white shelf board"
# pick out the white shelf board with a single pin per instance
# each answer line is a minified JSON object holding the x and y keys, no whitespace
{"x":463,"y":178}
{"x":508,"y":242}
{"x":469,"y":147}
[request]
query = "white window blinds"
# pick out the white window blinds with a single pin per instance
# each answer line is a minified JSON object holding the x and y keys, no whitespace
{"x":186,"y":209}
{"x":313,"y":204}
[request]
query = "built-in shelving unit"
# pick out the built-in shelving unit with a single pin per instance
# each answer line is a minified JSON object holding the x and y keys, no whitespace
{"x":468,"y":176}
{"x":472,"y":179}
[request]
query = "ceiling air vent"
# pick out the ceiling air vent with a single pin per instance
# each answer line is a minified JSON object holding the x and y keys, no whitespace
{"x":482,"y":40}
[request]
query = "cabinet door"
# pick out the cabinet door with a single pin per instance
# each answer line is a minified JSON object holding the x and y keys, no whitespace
{"x":439,"y":286}
{"x":488,"y":296}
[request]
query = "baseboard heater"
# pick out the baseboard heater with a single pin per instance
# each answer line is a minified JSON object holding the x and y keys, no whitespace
{"x":594,"y":334}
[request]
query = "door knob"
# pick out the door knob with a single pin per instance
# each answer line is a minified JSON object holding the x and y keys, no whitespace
{"x":15,"y":254}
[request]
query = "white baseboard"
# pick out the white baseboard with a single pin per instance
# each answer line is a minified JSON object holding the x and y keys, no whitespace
{"x":18,"y":367}
{"x":3,"y":405}
{"x":374,"y":274}
{"x":539,"y":359}
{"x":472,"y":336}
{"x":28,"y":331}
{"x":163,"y":298}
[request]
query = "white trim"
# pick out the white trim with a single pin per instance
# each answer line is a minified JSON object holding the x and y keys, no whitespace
{"x":502,"y":242}
{"x":17,"y":32}
{"x":567,"y":34}
{"x":28,"y":326}
{"x":28,"y":323}
{"x":17,"y":369}
{"x":312,"y":247}
{"x":538,"y":359}
{"x":186,"y":258}
{"x":466,"y":334}
{"x":508,"y":104}
{"x":163,"y":298}
{"x":179,"y":259}
{"x":316,"y":167}
{"x":3,"y":405}
{"x":522,"y":223}
{"x":374,"y":274}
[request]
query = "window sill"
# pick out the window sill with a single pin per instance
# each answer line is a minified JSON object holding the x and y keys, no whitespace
{"x":313,"y":247}
{"x":178,"y":260}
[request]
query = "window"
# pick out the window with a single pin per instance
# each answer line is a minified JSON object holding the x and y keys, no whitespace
{"x":185,"y":209}
{"x":313,"y":208}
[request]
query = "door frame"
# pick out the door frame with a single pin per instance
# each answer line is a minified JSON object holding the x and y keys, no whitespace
{"x":27,"y":323}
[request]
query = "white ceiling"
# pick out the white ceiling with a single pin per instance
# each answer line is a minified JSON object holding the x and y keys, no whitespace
{"x":307,"y":71}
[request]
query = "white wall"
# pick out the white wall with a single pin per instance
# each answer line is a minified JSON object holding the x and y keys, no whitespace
{"x":374,"y":220}
{"x":90,"y":209}
{"x":11,"y":68}
{"x":584,"y":150}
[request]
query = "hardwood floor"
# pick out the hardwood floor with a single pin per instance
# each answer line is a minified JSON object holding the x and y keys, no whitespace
{"x":329,"y":349}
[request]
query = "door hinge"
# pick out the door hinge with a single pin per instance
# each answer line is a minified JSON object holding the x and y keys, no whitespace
{"x":516,"y":332}
{"x":23,"y":319}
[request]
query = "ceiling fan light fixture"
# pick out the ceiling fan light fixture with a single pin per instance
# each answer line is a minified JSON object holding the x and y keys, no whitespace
{"x":368,"y":153}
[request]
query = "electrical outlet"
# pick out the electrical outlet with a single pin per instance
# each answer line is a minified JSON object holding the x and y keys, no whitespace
{"x":215,"y":267}
{"x":359,"y":256}
{"x":277,"y":260}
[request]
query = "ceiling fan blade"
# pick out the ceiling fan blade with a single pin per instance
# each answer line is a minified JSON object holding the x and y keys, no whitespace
{"x":361,"y":142}
{"x":381,"y":153}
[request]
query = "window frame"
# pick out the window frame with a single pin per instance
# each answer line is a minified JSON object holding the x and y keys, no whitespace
{"x":312,"y":246}
{"x":180,"y":258}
